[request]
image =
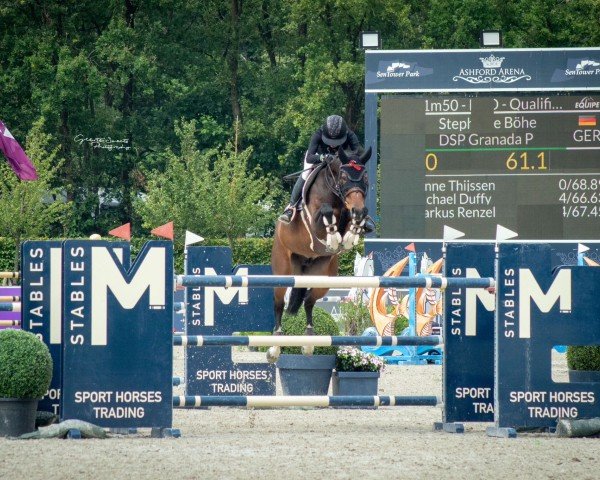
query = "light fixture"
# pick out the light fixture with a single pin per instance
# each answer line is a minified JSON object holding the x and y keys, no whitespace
{"x":490,"y":39}
{"x":370,"y":40}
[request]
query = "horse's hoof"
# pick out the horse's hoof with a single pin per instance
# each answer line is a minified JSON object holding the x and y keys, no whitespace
{"x":308,"y":349}
{"x":273,"y":354}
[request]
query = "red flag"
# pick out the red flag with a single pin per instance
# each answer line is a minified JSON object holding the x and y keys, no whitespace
{"x":165,"y":231}
{"x":124,"y":232}
{"x":411,"y":248}
{"x":17,"y":158}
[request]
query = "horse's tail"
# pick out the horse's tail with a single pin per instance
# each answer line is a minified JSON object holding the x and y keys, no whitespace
{"x":297,"y":296}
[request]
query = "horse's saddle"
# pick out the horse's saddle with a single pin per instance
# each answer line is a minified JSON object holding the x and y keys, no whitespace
{"x":311,"y":179}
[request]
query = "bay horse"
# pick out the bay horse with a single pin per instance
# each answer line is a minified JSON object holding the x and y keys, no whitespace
{"x":331,"y":221}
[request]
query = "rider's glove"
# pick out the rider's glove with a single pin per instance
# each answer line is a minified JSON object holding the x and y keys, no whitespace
{"x":325,"y":158}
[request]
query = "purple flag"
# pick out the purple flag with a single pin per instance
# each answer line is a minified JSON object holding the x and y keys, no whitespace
{"x":17,"y":158}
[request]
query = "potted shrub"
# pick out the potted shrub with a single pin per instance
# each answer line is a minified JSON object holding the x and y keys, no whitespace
{"x":356,"y":372}
{"x":25,"y":374}
{"x":583,"y":363}
{"x":307,"y":374}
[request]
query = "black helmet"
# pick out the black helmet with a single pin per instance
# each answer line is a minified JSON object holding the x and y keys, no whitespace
{"x":335,"y":131}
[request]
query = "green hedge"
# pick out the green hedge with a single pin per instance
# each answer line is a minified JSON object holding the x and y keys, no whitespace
{"x":323,"y":324}
{"x":251,"y":251}
{"x":583,"y":357}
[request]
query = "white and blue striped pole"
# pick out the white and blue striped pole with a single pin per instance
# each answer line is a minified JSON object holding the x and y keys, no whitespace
{"x":315,"y":281}
{"x":300,"y":340}
{"x":266,"y":401}
{"x":10,"y":306}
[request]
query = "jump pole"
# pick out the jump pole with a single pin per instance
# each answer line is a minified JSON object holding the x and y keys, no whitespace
{"x":267,"y":401}
{"x":319,"y":281}
{"x":300,"y":340}
{"x":10,"y":275}
{"x":10,"y":323}
{"x":10,"y":307}
{"x":10,"y":298}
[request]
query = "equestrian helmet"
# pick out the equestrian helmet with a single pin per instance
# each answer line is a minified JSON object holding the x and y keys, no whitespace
{"x":335,"y":131}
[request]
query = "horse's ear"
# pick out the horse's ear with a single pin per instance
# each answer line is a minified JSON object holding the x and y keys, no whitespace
{"x":342,"y":155}
{"x":364,"y":158}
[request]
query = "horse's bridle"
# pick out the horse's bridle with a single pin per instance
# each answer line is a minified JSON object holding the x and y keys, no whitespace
{"x":357,"y":178}
{"x":356,"y":181}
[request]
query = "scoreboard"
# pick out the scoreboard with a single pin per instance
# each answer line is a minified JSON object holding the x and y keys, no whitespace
{"x":530,"y":162}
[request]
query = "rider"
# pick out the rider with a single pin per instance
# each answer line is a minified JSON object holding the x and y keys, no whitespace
{"x":324,"y":142}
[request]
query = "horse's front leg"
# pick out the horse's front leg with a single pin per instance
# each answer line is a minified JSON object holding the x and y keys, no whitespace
{"x":358,"y":217}
{"x":334,"y":238}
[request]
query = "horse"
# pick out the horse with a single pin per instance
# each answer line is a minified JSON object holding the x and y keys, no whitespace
{"x":331,"y":221}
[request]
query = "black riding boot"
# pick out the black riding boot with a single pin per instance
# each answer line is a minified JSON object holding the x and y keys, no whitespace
{"x":286,"y":216}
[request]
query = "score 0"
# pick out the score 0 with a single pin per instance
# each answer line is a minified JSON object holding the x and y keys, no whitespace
{"x":431,"y":161}
{"x":521,"y":161}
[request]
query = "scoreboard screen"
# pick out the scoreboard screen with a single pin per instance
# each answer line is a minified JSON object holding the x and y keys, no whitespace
{"x":530,"y":163}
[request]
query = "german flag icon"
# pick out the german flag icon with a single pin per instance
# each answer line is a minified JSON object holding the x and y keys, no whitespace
{"x":587,"y":120}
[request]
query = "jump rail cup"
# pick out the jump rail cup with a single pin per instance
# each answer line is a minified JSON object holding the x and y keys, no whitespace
{"x":266,"y":401}
{"x":300,"y":341}
{"x":316,"y":281}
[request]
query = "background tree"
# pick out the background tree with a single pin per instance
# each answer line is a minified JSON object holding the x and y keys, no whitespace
{"x":129,"y":69}
{"x":214,"y":193}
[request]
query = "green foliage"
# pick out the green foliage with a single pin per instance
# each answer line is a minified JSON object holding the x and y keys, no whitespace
{"x":355,"y":317}
{"x":400,"y":324}
{"x":125,"y":70}
{"x":583,"y":357}
{"x":25,"y":365}
{"x":214,"y":193}
{"x":323,"y":324}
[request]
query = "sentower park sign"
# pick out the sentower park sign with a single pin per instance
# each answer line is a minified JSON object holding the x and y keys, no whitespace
{"x":473,"y":138}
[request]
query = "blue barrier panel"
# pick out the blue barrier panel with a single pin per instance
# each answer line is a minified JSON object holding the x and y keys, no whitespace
{"x":468,"y":374}
{"x":223,"y":311}
{"x":537,"y":309}
{"x":41,"y":305}
{"x":117,"y":330}
{"x":41,"y":302}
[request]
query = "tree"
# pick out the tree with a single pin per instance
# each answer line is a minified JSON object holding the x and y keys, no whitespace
{"x":32,"y":209}
{"x":213,"y":193}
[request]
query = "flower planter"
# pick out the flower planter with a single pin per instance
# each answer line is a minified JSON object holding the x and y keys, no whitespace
{"x":584,"y":376}
{"x":17,"y":416}
{"x":305,"y":374}
{"x":355,"y":383}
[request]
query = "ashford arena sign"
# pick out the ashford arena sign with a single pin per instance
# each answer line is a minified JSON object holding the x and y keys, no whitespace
{"x":482,"y":70}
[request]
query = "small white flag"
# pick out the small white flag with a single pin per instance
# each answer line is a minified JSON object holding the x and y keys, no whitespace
{"x":503,"y":233}
{"x":191,"y":237}
{"x":451,"y":233}
{"x":581,"y":248}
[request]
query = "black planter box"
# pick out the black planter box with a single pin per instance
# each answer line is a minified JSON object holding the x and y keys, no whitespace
{"x":17,"y":416}
{"x":305,"y":374}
